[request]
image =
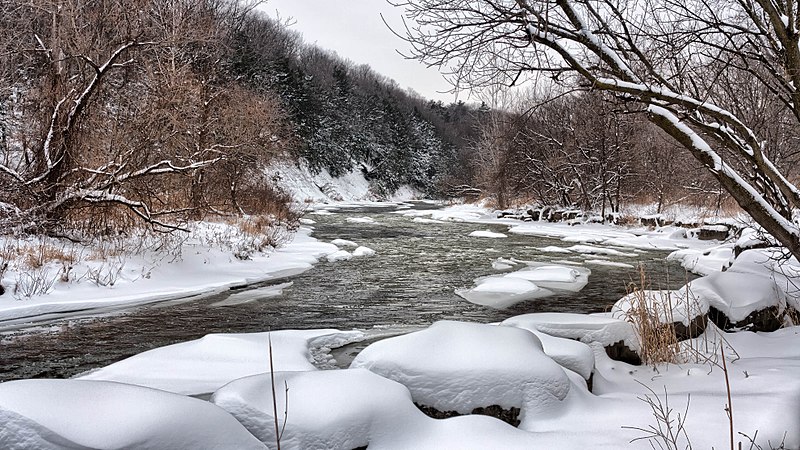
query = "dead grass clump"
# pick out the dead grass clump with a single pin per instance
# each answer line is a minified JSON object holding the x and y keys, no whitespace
{"x":652,"y":319}
{"x":37,"y":256}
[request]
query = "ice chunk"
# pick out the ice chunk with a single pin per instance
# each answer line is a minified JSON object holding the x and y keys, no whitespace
{"x":501,"y":292}
{"x":368,"y":220}
{"x":343,"y":243}
{"x":598,"y":250}
{"x":340,"y":255}
{"x":363,"y":251}
{"x":487,"y":234}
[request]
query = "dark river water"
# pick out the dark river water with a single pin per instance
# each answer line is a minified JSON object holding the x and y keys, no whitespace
{"x":409,"y":282}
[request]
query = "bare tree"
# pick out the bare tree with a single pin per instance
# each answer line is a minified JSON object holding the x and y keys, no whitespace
{"x":670,"y":58}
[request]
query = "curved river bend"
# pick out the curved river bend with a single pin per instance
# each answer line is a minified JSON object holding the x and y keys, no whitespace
{"x":409,"y":283}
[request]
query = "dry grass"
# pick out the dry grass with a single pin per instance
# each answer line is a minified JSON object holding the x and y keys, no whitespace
{"x":657,"y":339}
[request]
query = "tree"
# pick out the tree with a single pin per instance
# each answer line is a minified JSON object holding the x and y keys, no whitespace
{"x":674,"y":61}
{"x":114,"y":105}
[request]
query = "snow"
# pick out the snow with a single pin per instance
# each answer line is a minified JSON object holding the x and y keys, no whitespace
{"x":680,"y":305}
{"x":325,"y":409}
{"x":206,"y":364}
{"x":459,"y":366}
{"x":47,"y":414}
{"x":343,"y":243}
{"x":591,"y":250}
{"x":487,"y":234}
{"x":703,"y":262}
{"x":362,"y":220}
{"x":738,"y":294}
{"x":502,"y":292}
{"x":602,"y":262}
{"x":339,"y":255}
{"x":587,"y":328}
{"x":202,"y":268}
{"x":363,"y":251}
{"x":553,"y":249}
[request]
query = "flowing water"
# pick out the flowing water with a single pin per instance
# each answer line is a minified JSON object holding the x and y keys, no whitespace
{"x":409,"y":283}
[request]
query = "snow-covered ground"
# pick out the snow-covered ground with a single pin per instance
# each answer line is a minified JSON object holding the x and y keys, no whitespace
{"x":538,"y":363}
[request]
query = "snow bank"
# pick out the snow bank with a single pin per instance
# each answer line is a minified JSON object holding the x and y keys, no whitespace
{"x":206,"y":364}
{"x":203,"y":268}
{"x":47,"y":414}
{"x":458,"y":366}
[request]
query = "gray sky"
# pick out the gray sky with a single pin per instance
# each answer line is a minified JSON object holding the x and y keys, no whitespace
{"x":354,"y":30}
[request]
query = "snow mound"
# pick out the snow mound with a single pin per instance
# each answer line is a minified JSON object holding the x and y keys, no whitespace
{"x":326,"y":409}
{"x":363,"y":251}
{"x":568,"y":353}
{"x":305,"y":221}
{"x":204,"y":365}
{"x":339,"y":255}
{"x":587,"y":328}
{"x":459,"y":366}
{"x":47,"y":414}
{"x":737,"y":295}
{"x":487,"y":234}
{"x":343,"y":243}
{"x":703,"y":262}
{"x":671,"y":306}
{"x":571,"y":279}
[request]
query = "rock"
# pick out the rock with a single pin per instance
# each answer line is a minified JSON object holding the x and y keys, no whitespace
{"x":509,"y":416}
{"x":619,"y":351}
{"x":556,"y":216}
{"x":695,"y":328}
{"x":534,"y":214}
{"x":713,"y":232}
{"x":767,"y":319}
{"x":652,"y":221}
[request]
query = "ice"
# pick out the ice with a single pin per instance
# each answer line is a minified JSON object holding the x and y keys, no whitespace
{"x":602,"y":262}
{"x":362,"y":220}
{"x":424,"y":220}
{"x":501,"y":292}
{"x":305,"y":221}
{"x":206,"y":364}
{"x":363,"y":251}
{"x":459,"y":366}
{"x":76,"y":414}
{"x":553,"y":249}
{"x":252,"y":295}
{"x":339,"y":255}
{"x":487,"y":234}
{"x":343,"y":243}
{"x":554,"y":277}
{"x":598,"y":251}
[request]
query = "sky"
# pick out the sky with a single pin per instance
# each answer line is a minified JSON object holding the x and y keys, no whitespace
{"x":354,"y":29}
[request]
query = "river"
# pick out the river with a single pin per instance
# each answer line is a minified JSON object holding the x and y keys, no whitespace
{"x":409,"y":283}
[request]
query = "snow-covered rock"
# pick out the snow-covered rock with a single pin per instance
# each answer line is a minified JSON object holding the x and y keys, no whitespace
{"x":206,"y":364}
{"x":739,"y":295}
{"x":343,"y":243}
{"x":340,"y":409}
{"x":363,"y":251}
{"x":587,"y":328}
{"x":78,"y":414}
{"x":458,"y":366}
{"x":681,"y":308}
{"x":339,"y":255}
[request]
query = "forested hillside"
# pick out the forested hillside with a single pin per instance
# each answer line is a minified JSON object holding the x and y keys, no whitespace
{"x":114,"y":113}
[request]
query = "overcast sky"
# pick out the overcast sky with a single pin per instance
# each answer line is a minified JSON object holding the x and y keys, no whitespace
{"x":354,"y":30}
